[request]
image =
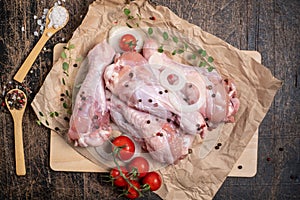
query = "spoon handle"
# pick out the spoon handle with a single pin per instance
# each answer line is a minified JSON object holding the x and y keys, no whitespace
{"x":19,"y":149}
{"x":22,"y":72}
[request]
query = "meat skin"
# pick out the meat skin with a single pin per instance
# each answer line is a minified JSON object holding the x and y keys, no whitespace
{"x":90,"y":122}
{"x":160,"y":103}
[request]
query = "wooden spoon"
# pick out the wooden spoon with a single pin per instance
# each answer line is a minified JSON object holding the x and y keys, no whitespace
{"x":48,"y":32}
{"x":17,"y":107}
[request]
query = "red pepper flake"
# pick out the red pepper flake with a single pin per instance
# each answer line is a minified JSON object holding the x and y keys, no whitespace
{"x":268,"y":159}
{"x":152,"y":18}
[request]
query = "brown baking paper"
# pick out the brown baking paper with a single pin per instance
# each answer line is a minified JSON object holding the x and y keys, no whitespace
{"x":193,"y":177}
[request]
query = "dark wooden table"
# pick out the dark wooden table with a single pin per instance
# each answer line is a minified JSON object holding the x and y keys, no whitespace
{"x":270,"y":27}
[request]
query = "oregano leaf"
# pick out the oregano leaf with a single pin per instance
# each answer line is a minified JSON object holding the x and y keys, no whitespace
{"x":160,"y":49}
{"x":65,"y":105}
{"x":175,"y":39}
{"x":65,"y":66}
{"x":180,"y":51}
{"x":210,"y":59}
{"x":210,"y":69}
{"x":150,"y":31}
{"x":51,"y":114}
{"x":165,"y":35}
{"x":78,"y":59}
{"x":71,"y":46}
{"x":63,"y":55}
{"x":202,"y":64}
{"x":127,"y":12}
{"x":186,"y":45}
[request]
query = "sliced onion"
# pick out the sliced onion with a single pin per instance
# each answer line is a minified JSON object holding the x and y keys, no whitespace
{"x":156,"y":60}
{"x":176,"y":102}
{"x":163,"y":78}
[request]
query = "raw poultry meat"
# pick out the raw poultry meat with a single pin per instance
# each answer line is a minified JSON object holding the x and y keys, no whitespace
{"x":140,"y":88}
{"x":161,"y":103}
{"x":221,"y":102}
{"x":164,"y":141}
{"x":90,"y":120}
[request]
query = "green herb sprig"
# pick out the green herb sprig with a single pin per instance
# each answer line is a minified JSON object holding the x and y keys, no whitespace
{"x":132,"y":18}
{"x":45,"y":117}
{"x":200,"y":55}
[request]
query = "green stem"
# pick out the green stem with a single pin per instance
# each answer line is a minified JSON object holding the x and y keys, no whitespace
{"x":115,"y":152}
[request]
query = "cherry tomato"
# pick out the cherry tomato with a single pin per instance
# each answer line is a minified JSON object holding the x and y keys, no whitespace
{"x":127,"y":42}
{"x":153,"y":180}
{"x":132,"y":193}
{"x":138,"y":165}
{"x":118,"y":180}
{"x":127,"y":146}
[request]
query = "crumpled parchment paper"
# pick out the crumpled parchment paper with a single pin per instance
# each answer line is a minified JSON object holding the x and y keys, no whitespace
{"x":193,"y":177}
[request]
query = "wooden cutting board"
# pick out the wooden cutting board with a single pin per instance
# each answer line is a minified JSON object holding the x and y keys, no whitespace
{"x":71,"y":160}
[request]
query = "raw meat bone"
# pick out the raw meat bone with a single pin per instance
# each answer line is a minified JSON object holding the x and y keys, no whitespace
{"x":136,"y":85}
{"x":163,"y":140}
{"x":90,"y":122}
{"x":221,"y":102}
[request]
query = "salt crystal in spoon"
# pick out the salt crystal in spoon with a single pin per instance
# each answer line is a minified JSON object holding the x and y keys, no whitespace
{"x":57,"y":18}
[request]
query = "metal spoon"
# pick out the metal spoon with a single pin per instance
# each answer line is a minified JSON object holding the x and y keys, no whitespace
{"x":16,"y":107}
{"x":48,"y":32}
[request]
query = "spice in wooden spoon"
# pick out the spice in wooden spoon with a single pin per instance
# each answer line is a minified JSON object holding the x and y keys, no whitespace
{"x":56,"y":19}
{"x":16,"y":101}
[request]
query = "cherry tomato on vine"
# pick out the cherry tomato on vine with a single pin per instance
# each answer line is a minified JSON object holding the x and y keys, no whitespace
{"x":153,"y":180}
{"x":127,"y":147}
{"x":132,"y":193}
{"x":127,"y":42}
{"x":118,"y":180}
{"x":139,"y":166}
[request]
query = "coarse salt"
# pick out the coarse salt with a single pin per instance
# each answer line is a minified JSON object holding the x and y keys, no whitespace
{"x":58,"y":17}
{"x":39,"y":22}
